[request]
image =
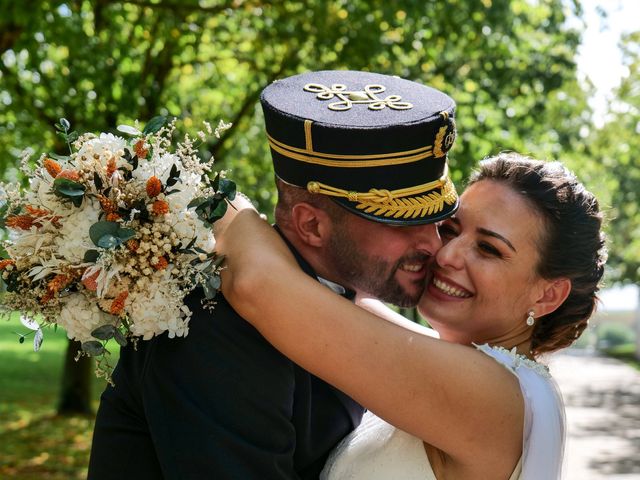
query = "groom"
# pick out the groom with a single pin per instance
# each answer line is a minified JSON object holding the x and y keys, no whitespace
{"x":361,"y":172}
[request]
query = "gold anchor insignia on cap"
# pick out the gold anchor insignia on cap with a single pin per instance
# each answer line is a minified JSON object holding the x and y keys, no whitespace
{"x":445,"y":137}
{"x":348,"y":98}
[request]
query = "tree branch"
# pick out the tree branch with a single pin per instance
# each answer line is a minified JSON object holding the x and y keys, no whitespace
{"x":248,"y":103}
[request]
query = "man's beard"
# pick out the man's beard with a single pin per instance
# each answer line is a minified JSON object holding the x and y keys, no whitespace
{"x":370,"y":274}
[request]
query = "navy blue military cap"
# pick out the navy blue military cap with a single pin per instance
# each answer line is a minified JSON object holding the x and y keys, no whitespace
{"x":375,"y":144}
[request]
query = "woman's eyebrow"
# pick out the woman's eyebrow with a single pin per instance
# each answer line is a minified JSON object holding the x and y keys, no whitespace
{"x":493,"y":234}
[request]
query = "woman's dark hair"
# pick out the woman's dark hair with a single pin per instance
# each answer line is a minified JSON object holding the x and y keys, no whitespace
{"x":572,"y":246}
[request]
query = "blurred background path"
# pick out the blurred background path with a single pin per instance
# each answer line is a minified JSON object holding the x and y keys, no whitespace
{"x":602,"y":397}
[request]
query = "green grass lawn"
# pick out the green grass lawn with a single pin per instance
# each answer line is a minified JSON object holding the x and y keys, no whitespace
{"x":35,"y":443}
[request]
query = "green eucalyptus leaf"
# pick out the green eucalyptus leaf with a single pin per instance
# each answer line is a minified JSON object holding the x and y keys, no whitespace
{"x":119,"y":338}
{"x":155,"y":124}
{"x":209,"y":291}
{"x":104,"y":332}
{"x":215,"y":182}
{"x":196,"y":202}
{"x":218,"y":261}
{"x":93,"y":348}
{"x":218,"y":212}
{"x":109,"y":241}
{"x":125,"y":234}
{"x":68,"y":188}
{"x":97,"y":181}
{"x":214,"y":281}
{"x":91,"y":256}
{"x":3,"y":214}
{"x":100,"y":229}
{"x":228,"y":188}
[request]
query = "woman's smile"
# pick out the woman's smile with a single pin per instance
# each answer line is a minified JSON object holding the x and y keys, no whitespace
{"x":449,"y":287}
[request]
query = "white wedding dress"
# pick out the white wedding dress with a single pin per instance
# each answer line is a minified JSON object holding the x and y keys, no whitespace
{"x":379,"y":451}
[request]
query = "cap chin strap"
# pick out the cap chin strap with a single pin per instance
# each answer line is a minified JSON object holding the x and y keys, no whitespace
{"x":379,"y":195}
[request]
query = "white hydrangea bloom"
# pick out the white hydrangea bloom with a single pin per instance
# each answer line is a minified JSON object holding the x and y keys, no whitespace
{"x":73,"y":239}
{"x":106,"y":147}
{"x":189,"y":186}
{"x":156,"y":309}
{"x":79,"y":317}
{"x":160,"y":167}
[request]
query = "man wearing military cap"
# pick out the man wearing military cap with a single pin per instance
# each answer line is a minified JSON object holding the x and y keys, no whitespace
{"x":361,"y":169}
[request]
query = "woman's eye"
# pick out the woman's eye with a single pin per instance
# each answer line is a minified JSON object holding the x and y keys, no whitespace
{"x":489,"y":249}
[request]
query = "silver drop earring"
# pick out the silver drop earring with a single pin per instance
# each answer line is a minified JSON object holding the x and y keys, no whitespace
{"x":530,"y":319}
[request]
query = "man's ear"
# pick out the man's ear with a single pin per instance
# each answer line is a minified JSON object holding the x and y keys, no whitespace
{"x":554,"y":293}
{"x":311,"y":224}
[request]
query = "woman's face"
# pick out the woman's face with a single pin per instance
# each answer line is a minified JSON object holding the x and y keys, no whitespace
{"x":484,"y":279}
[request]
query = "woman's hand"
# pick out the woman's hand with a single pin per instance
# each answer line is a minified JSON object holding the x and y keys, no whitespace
{"x":240,"y":202}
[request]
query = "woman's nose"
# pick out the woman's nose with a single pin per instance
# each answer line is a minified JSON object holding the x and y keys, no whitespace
{"x":451,"y":254}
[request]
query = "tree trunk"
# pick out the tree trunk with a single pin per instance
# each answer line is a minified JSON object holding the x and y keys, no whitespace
{"x":75,"y":396}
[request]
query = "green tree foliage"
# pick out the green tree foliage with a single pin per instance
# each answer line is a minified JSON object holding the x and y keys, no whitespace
{"x":616,"y":146}
{"x":508,"y":64}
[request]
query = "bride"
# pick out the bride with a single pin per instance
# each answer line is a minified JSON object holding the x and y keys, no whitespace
{"x":516,"y":278}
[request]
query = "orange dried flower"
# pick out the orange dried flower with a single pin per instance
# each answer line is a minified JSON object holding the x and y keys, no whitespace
{"x":59,"y":282}
{"x":113,"y":217}
{"x":162,"y":264}
{"x":69,"y":175}
{"x":56,"y":221}
{"x":23,"y":222}
{"x":36,"y":212}
{"x":160,"y":207}
{"x":52,"y":167}
{"x":6,"y":262}
{"x":55,"y":285}
{"x":154,"y":186}
{"x":133,"y":245}
{"x":90,"y":282}
{"x":26,"y":221}
{"x":141,"y":152}
{"x":107,"y":205}
{"x":111,"y":167}
{"x":46,"y":297}
{"x":117,"y":306}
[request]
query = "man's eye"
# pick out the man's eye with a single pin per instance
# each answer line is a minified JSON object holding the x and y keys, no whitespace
{"x":447,"y":231}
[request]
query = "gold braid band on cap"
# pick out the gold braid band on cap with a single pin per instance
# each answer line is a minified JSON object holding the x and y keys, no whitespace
{"x":348,"y":161}
{"x":402,"y":203}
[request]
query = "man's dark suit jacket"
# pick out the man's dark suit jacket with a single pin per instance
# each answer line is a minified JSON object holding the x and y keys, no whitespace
{"x":221,"y":403}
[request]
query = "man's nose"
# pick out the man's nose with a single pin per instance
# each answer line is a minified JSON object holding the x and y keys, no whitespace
{"x":427,"y":238}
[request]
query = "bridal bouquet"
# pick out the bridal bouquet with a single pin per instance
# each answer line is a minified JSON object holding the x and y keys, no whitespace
{"x":107,"y":242}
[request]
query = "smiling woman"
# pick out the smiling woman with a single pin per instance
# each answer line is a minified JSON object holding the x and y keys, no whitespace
{"x":479,"y":273}
{"x":517,"y":276}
